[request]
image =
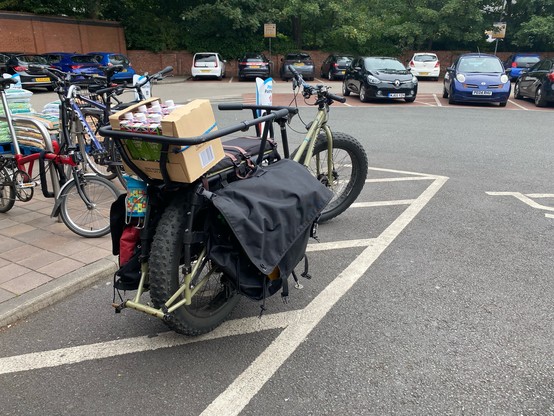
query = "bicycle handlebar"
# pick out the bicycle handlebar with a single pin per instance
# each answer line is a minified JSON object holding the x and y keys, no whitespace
{"x":238,"y":106}
{"x":107,"y":131}
{"x":309,"y":90}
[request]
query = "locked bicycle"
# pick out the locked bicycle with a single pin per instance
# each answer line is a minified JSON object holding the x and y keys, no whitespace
{"x":81,"y":200}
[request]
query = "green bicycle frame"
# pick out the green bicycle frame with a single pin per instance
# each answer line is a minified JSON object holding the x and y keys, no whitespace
{"x":320,"y":123}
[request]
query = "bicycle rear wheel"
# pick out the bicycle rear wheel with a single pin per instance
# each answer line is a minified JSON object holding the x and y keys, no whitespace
{"x":213,"y":303}
{"x":349,"y":171}
{"x":84,"y":221}
{"x":7,"y":191}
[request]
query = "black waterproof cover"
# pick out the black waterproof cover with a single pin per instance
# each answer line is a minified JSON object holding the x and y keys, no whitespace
{"x":270,"y":214}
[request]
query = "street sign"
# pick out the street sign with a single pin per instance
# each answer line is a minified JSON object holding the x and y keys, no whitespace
{"x":270,"y":30}
{"x":499,"y":30}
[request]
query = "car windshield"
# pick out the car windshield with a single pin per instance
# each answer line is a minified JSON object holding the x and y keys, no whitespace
{"x":32,"y":59}
{"x":298,"y":56}
{"x":425,"y":58}
{"x":205,"y":57}
{"x":253,"y":58}
{"x":383,"y":64}
{"x":344,"y":59}
{"x":118,"y":60}
{"x":480,"y":64}
{"x":527,"y":59}
{"x":84,"y":59}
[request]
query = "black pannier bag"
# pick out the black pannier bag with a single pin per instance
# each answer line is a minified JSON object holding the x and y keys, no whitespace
{"x":259,"y":227}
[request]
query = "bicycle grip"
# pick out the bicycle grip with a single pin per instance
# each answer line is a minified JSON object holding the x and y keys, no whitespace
{"x":230,"y":106}
{"x":336,"y":98}
{"x":166,"y":70}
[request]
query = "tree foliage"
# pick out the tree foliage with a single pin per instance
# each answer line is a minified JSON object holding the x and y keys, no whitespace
{"x":233,"y":27}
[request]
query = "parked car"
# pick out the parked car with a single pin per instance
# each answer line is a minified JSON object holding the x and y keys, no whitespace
{"x":28,"y":66}
{"x":74,"y":63}
{"x":379,"y":77}
{"x":252,"y":65}
{"x":4,"y":56}
{"x":208,"y":64}
{"x":425,"y":65}
{"x":301,"y":61}
{"x":334,"y":66}
{"x":476,"y":77}
{"x":519,"y":61}
{"x":112,"y":58}
{"x":537,"y":83}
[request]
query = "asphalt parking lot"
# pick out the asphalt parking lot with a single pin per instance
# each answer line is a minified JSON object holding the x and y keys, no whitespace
{"x":432,"y":295}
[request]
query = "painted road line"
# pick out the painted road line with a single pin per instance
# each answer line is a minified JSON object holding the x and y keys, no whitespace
{"x":73,"y":355}
{"x":405,"y":178}
{"x":518,"y":105}
{"x":549,"y":215}
{"x":439,"y":104}
{"x":540,"y":195}
{"x":524,"y":199}
{"x":338,"y":245}
{"x":382,"y":203}
{"x":233,"y":400}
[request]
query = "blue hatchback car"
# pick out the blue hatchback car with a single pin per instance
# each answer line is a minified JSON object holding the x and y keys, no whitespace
{"x":75,"y":63}
{"x":112,"y":58}
{"x":477,"y":77}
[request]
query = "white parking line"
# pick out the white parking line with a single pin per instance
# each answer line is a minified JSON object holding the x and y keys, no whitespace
{"x":518,"y":105}
{"x":405,"y":178}
{"x":382,"y":203}
{"x":523,"y":198}
{"x":437,"y":100}
{"x":233,"y":400}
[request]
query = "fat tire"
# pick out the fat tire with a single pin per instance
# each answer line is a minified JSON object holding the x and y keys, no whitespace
{"x":164,"y":262}
{"x":7,"y":191}
{"x":359,"y":162}
{"x":103,"y":195}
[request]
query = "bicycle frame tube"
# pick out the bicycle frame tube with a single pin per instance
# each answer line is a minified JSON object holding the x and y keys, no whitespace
{"x":86,"y":126}
{"x":320,"y":123}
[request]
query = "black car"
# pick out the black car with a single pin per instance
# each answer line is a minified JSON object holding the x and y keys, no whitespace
{"x":253,"y":65}
{"x":334,"y":66}
{"x":28,"y":66}
{"x":302,"y":63}
{"x":537,"y":83}
{"x":379,"y":77}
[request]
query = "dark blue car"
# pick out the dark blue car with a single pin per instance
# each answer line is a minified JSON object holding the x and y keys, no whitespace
{"x":75,"y":63}
{"x":112,"y":58}
{"x":477,"y":77}
{"x":518,"y":62}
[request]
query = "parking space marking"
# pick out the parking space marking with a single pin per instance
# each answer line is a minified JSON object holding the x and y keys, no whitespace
{"x":527,"y":199}
{"x":233,"y":400}
{"x":439,"y":104}
{"x":518,"y":105}
{"x":296,"y":325}
{"x":382,"y":203}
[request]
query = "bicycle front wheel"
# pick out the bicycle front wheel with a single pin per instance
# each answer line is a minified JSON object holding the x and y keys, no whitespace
{"x":349,"y":171}
{"x":86,"y":221}
{"x":215,"y":299}
{"x":7,"y":191}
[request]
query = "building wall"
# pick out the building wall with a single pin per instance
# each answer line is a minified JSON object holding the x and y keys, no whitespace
{"x":24,"y":32}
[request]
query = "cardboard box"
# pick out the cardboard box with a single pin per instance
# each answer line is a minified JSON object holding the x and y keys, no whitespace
{"x":184,"y":164}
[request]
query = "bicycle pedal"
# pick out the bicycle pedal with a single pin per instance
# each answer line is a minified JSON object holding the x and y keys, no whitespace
{"x":26,"y":185}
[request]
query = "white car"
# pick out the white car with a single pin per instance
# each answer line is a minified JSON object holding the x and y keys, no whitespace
{"x":208,"y":64}
{"x":425,"y":65}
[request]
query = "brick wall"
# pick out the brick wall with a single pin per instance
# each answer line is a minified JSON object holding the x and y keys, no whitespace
{"x":24,"y":32}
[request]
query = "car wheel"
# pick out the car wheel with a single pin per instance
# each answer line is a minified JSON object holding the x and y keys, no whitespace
{"x":330,"y":76}
{"x":345,"y":90}
{"x":444,"y":93}
{"x":540,"y":100}
{"x":409,"y":100}
{"x":517,"y":93}
{"x":363,"y":94}
{"x":451,"y":97}
{"x":503,"y":103}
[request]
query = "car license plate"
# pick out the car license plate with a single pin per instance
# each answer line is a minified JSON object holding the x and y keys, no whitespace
{"x":42,"y":79}
{"x":397,"y":95}
{"x":424,"y":73}
{"x":342,"y":72}
{"x":254,"y":66}
{"x":481,"y":92}
{"x":298,"y":64}
{"x":205,"y":70}
{"x":124,"y":70}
